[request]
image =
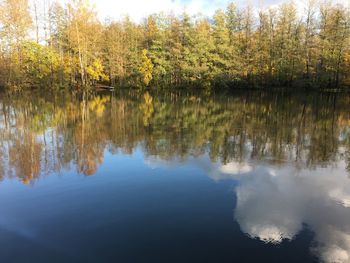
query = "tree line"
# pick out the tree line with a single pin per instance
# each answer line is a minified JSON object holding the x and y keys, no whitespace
{"x":68,"y":46}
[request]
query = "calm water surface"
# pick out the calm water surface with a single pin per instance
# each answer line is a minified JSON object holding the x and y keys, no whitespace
{"x":175,"y":177}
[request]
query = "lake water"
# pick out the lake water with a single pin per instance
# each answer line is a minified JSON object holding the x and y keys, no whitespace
{"x":134,"y":176}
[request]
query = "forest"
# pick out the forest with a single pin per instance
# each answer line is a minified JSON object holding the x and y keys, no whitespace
{"x":68,"y":46}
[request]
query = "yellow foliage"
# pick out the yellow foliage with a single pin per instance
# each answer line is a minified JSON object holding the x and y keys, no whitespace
{"x":147,"y":108}
{"x":146,"y":68}
{"x":96,"y":71}
{"x":98,"y":105}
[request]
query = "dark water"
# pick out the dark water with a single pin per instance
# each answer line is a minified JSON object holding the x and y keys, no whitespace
{"x":175,"y":177}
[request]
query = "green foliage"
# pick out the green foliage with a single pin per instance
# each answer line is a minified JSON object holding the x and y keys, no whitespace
{"x":275,"y":46}
{"x":39,"y":62}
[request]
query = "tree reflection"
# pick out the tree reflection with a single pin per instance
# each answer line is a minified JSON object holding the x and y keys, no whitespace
{"x":24,"y":157}
{"x":42,"y":134}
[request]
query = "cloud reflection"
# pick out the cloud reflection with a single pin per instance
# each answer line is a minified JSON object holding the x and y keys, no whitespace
{"x":236,"y":168}
{"x":275,"y":202}
{"x":273,"y":205}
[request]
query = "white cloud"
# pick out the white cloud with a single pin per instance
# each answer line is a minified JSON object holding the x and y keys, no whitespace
{"x":136,"y":9}
{"x":236,"y":168}
{"x":273,"y":205}
{"x":139,"y":9}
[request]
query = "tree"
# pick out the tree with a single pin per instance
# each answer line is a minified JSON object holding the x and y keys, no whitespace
{"x":203,"y":51}
{"x":263,"y":57}
{"x":84,"y":32}
{"x":115,"y":52}
{"x":59,"y":39}
{"x":222,"y":59}
{"x":288,"y":30}
{"x":234,"y":26}
{"x":147,"y":68}
{"x":246,"y":50}
{"x":38,"y":63}
{"x":333,"y":41}
{"x":156,"y":38}
{"x":15,"y":22}
{"x":95,"y":71}
{"x":174,"y":47}
{"x":186,"y":34}
{"x":310,"y":39}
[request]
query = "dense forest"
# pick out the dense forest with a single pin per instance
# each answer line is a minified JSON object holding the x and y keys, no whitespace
{"x":68,"y":46}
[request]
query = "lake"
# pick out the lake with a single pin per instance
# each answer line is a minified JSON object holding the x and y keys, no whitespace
{"x":175,"y":176}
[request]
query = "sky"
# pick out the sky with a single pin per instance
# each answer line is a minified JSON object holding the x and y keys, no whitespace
{"x":138,"y":9}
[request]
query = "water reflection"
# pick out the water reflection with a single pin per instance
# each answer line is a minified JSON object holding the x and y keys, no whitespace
{"x":289,"y":153}
{"x":274,"y":203}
